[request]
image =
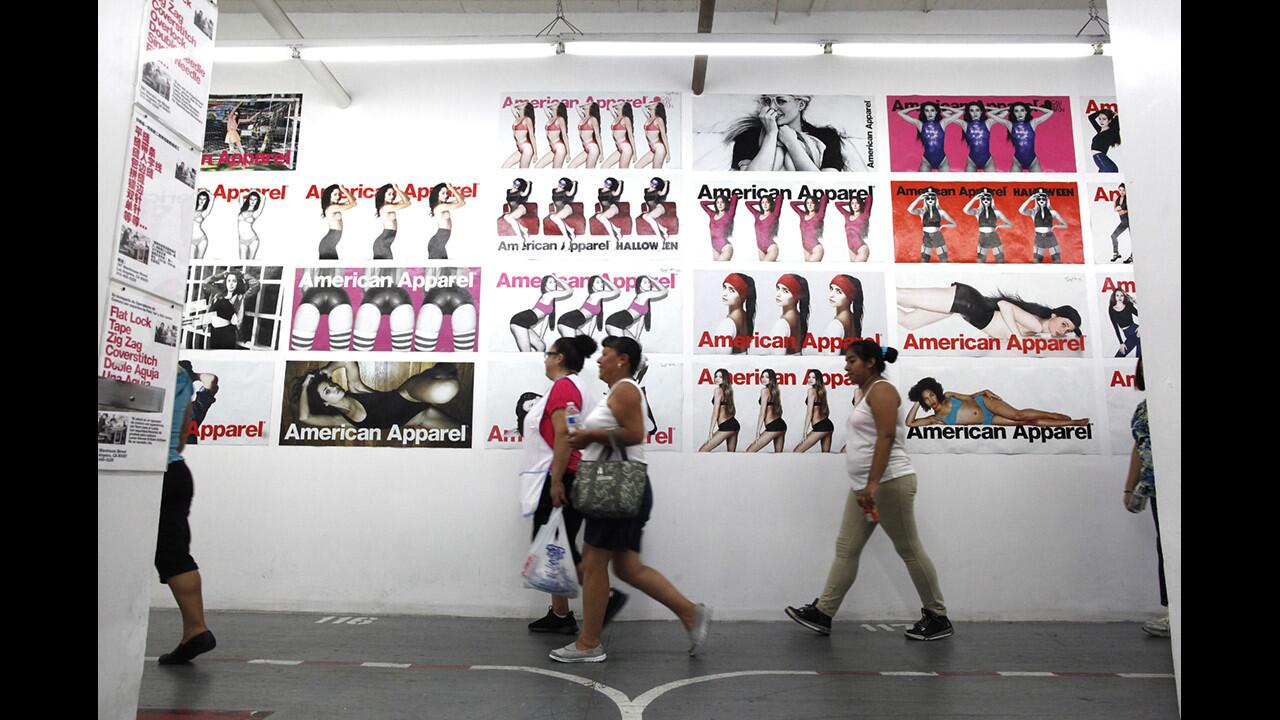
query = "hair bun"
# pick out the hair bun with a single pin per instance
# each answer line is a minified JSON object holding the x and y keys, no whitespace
{"x":890,"y":354}
{"x":585,"y":345}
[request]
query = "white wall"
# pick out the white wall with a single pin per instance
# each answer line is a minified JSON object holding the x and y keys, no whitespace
{"x":1149,"y":69}
{"x":128,"y":503}
{"x":438,"y":531}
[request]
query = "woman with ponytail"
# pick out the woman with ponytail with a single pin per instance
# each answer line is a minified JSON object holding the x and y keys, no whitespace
{"x":793,"y":324}
{"x":883,"y":493}
{"x":738,"y":292}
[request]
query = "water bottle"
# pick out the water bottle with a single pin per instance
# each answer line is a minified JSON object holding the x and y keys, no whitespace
{"x":1138,"y":498}
{"x":572,"y":416}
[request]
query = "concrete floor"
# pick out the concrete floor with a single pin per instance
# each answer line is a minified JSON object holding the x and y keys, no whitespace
{"x":288,"y":666}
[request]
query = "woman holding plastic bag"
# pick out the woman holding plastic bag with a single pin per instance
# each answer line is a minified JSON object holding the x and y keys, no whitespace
{"x":550,"y":464}
{"x":618,"y":421}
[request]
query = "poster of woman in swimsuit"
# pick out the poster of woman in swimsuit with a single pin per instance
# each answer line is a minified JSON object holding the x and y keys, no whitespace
{"x":963,"y":407}
{"x":515,"y":385}
{"x":980,"y":133}
{"x":434,"y":309}
{"x":533,"y":306}
{"x":784,"y":132}
{"x":1023,"y":315}
{"x":347,"y":403}
{"x":987,"y":222}
{"x":599,"y":214}
{"x":559,"y":130}
{"x":787,"y":221}
{"x":770,"y":312}
{"x":252,"y":132}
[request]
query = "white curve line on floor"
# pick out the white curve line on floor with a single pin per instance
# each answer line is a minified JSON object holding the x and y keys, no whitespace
{"x":618,"y":697}
{"x":643,"y":699}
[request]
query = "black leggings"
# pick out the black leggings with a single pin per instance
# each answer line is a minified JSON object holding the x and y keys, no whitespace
{"x":1164,"y":594}
{"x":976,"y":309}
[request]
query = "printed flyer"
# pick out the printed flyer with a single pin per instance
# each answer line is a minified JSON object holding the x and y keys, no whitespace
{"x":992,"y":133}
{"x":139,"y":345}
{"x":378,"y":309}
{"x":988,"y":222}
{"x":779,"y":132}
{"x":971,"y":407}
{"x":590,"y":130}
{"x":1007,"y":315}
{"x":177,"y":62}
{"x":377,"y":404}
{"x":1118,"y":299}
{"x":1100,"y":134}
{"x":786,"y":313}
{"x":231,"y":404}
{"x":788,"y":221}
{"x":252,"y":132}
{"x":1109,"y":224}
{"x":645,"y":305}
{"x":155,"y":210}
{"x":593,"y":214}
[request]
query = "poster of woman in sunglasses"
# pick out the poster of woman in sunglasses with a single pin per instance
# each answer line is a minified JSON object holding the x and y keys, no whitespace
{"x":781,"y":132}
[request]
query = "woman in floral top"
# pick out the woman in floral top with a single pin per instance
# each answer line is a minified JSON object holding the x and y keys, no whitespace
{"x":1142,"y":481}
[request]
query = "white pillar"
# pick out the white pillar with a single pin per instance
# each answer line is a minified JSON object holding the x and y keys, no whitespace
{"x":128,"y":502}
{"x":1147,"y":44}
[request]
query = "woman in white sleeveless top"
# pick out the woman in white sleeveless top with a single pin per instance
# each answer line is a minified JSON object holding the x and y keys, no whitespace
{"x":620,"y":416}
{"x":884,"y":488}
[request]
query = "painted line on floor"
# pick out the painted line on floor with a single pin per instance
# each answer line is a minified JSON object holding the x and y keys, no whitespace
{"x":385,"y":665}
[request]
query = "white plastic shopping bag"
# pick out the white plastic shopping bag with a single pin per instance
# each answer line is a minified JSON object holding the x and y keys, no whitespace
{"x":549,"y":565}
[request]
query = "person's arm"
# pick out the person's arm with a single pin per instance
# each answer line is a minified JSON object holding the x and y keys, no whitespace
{"x":883,"y":401}
{"x":404,"y":201}
{"x":845,"y":210}
{"x":1001,"y":218}
{"x":913,"y":421}
{"x":459,"y":201}
{"x":662,"y":133}
{"x":915,"y":207}
{"x":797,"y":150}
{"x":185,"y":426}
{"x":1047,"y":113}
{"x":211,"y":286}
{"x":969,"y":208}
{"x":798,"y":207}
{"x":617,"y":195}
{"x":709,"y":207}
{"x":1115,"y":324}
{"x":952,"y":116}
{"x":753,"y":207}
{"x":660,"y":293}
{"x":1093,"y":120}
{"x":1058,"y":219}
{"x":1001,"y":116}
{"x":627,"y":406}
{"x":809,"y":410}
{"x":946,"y":216}
{"x":306,"y":417}
{"x":716,"y":397}
{"x":1019,"y":321}
{"x":764,"y":410}
{"x":351,"y":198}
{"x":254,"y":286}
{"x":351,"y":369}
{"x":1135,"y":472}
{"x":905,"y":114}
{"x":262,"y":203}
{"x":1026,"y":204}
{"x":560,"y":457}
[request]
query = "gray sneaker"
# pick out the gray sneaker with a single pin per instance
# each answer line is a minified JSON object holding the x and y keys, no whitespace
{"x":571,"y":654}
{"x":1157,"y":628}
{"x":698,"y":633}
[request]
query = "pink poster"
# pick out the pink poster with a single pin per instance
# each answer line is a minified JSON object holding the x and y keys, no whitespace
{"x":980,"y":133}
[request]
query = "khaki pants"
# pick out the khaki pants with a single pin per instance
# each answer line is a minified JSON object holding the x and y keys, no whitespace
{"x":895,"y":501}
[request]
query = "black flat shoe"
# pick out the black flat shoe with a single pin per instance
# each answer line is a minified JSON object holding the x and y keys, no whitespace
{"x":187,"y":651}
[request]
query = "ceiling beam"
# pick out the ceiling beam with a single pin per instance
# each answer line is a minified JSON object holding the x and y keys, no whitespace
{"x":284,"y":27}
{"x":706,"y":14}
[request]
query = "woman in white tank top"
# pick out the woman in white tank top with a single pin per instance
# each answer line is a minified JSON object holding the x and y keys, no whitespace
{"x":883,"y":493}
{"x":620,"y":416}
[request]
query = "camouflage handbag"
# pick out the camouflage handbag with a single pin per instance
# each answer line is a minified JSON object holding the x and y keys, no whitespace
{"x":607,"y":488}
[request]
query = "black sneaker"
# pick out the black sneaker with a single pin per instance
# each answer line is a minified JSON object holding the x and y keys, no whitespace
{"x":187,"y":651}
{"x":931,"y":627}
{"x":1128,"y":260}
{"x":811,"y":617}
{"x":552,"y":623}
{"x":617,"y":599}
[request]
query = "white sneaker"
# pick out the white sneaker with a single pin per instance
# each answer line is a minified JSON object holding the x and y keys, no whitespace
{"x":1157,"y":628}
{"x":698,"y":633}
{"x":571,"y":654}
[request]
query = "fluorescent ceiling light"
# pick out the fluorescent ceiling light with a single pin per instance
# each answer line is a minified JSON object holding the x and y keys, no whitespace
{"x":689,"y":49}
{"x":251,"y":54}
{"x":408,"y":53}
{"x":1019,"y":51}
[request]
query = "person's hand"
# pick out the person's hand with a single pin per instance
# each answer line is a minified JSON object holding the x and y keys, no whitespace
{"x":1128,"y":495}
{"x":867,"y":497}
{"x":580,"y":439}
{"x":769,"y":117}
{"x":787,"y":134}
{"x":991,"y":395}
{"x":558,"y":498}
